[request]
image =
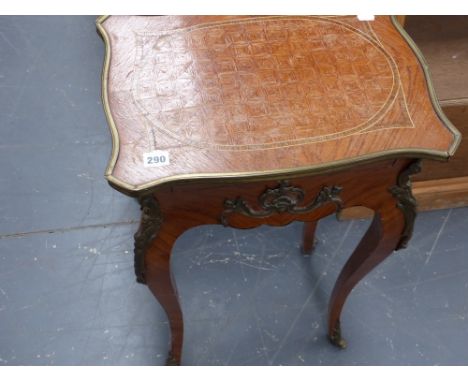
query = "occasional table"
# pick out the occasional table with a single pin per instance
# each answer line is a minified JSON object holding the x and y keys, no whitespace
{"x":244,"y":121}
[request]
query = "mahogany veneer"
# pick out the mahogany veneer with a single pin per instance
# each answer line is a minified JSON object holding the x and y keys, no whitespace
{"x":243,"y":121}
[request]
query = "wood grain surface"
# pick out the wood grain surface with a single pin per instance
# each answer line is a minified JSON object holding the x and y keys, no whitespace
{"x":457,"y":167}
{"x":189,"y":205}
{"x":233,"y":95}
{"x":444,"y":42}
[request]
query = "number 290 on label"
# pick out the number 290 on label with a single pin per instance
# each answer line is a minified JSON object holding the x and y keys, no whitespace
{"x":156,"y":158}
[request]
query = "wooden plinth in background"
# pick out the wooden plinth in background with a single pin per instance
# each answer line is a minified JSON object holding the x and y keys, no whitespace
{"x":443,"y":41}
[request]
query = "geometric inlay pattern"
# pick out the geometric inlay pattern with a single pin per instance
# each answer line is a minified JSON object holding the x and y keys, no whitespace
{"x":218,"y":85}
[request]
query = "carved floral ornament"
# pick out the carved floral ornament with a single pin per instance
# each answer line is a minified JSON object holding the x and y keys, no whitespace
{"x":284,"y":198}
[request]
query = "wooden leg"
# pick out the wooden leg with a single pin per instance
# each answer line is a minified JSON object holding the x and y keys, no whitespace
{"x":159,"y":280}
{"x":153,"y":245}
{"x":380,"y":240}
{"x":308,"y":237}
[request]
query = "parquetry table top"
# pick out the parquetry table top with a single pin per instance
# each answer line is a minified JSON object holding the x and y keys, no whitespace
{"x":191,"y":97}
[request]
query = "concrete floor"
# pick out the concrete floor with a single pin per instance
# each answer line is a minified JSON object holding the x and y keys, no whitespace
{"x":67,"y":289}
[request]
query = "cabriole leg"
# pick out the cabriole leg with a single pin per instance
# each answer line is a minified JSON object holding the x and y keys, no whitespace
{"x":390,"y":230}
{"x":153,"y":244}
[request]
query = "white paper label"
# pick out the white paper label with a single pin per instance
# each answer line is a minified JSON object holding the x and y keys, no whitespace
{"x":156,"y":158}
{"x":366,"y":17}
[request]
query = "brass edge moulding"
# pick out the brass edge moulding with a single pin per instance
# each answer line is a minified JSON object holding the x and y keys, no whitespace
{"x":435,"y":102}
{"x":272,"y":174}
{"x":105,"y":101}
{"x":244,"y":177}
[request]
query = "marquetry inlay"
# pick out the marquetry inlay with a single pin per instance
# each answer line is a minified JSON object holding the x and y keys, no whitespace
{"x":222,"y":85}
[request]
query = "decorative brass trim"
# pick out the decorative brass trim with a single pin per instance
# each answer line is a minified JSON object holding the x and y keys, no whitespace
{"x":171,"y":360}
{"x":336,"y":338}
{"x":284,"y":198}
{"x":244,"y":177}
{"x":104,"y":96}
{"x":430,"y":86}
{"x":151,"y":220}
{"x":406,"y":202}
{"x":148,"y":187}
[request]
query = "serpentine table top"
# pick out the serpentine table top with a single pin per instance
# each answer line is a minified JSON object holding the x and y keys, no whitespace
{"x":242,"y":96}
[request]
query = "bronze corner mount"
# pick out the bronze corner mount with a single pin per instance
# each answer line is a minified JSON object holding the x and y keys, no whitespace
{"x":151,"y":220}
{"x":406,"y":201}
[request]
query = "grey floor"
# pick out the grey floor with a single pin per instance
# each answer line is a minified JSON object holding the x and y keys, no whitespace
{"x":67,"y":289}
